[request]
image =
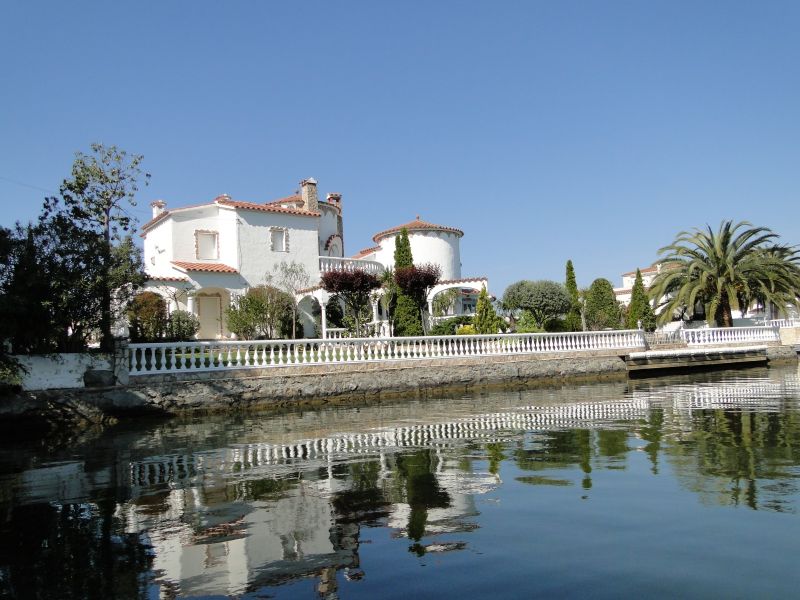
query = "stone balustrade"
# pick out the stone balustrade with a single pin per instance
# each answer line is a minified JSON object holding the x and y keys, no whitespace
{"x":333,"y":263}
{"x":729,"y":335}
{"x":783,"y":323}
{"x":193,"y":356}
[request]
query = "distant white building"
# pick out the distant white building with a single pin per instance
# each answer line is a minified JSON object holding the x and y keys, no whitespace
{"x":201,"y":257}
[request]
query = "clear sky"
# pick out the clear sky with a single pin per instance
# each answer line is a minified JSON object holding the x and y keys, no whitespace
{"x":545,"y":130}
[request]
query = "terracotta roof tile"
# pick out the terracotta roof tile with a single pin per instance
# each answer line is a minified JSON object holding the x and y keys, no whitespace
{"x":366,"y":251}
{"x":160,"y":217}
{"x":465,"y":280}
{"x":225,"y":201}
{"x":204,"y":267}
{"x":287,"y":200}
{"x":415,"y":225}
{"x":167,"y":278}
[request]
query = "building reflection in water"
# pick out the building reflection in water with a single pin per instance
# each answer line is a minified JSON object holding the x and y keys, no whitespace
{"x":244,"y":516}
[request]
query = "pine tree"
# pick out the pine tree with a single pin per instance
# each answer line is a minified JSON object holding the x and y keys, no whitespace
{"x":572,"y":321}
{"x":640,"y":309}
{"x":407,"y":318}
{"x":485,"y":319}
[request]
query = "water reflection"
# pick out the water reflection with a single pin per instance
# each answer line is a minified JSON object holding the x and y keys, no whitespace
{"x":231,"y":507}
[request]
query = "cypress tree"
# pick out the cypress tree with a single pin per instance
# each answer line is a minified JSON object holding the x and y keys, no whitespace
{"x":407,"y":318}
{"x":640,"y":309}
{"x":572,"y":321}
{"x":402,"y":251}
{"x":485,"y":319}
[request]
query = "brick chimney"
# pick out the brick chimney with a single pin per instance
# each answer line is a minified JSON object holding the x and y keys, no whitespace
{"x":335,"y":199}
{"x":158,"y":207}
{"x":308,"y":193}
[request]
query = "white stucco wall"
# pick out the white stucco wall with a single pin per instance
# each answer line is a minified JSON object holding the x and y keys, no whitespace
{"x":438,"y":247}
{"x":59,"y":371}
{"x":328,"y":226}
{"x":254,"y":238}
{"x":158,"y":249}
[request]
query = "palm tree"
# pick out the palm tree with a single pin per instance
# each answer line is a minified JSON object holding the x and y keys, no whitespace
{"x":732,"y":268}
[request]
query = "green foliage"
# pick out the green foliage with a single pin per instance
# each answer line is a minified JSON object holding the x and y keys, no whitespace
{"x":263,"y":312}
{"x":407,"y":316}
{"x":445,"y":302}
{"x":51,"y":284}
{"x":734,"y":267}
{"x":449,"y":326}
{"x":640,"y":310}
{"x":407,"y":319}
{"x":466,"y":330}
{"x":486,"y":319}
{"x":95,"y":201}
{"x":147,"y":317}
{"x":527,"y":324}
{"x":572,"y":320}
{"x":402,"y":251}
{"x":181,"y":326}
{"x":543,"y":300}
{"x":602,"y":309}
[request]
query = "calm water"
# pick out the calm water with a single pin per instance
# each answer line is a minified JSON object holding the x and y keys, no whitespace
{"x":676,"y":487}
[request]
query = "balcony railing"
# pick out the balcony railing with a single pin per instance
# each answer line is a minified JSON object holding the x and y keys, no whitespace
{"x":332,"y":263}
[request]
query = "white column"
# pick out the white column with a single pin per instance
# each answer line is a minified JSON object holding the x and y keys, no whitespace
{"x":375,"y":319}
{"x":190,"y":302}
{"x":324,"y":320}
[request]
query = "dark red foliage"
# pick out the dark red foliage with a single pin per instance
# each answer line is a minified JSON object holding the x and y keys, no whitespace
{"x":416,"y":281}
{"x":357,"y":281}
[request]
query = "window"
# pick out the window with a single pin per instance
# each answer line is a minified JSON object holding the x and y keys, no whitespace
{"x":206,"y":245}
{"x":278,"y":239}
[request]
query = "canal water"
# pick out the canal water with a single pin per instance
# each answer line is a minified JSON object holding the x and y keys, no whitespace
{"x":680,"y":487}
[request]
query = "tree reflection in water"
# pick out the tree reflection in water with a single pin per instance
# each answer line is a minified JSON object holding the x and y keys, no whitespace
{"x":239,"y":514}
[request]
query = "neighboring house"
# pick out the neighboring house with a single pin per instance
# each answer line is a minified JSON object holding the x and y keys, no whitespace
{"x":201,"y":257}
{"x":624,"y":292}
{"x":755,"y":314}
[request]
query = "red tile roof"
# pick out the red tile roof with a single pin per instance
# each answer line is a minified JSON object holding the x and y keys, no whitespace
{"x":288,"y":200}
{"x":366,"y":251}
{"x":204,"y":267}
{"x":225,"y":201}
{"x":161,"y":216}
{"x":465,"y":280}
{"x":651,"y":269}
{"x":167,"y":278}
{"x":416,"y":225}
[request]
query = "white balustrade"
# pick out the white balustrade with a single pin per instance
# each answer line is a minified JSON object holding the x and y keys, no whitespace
{"x":333,"y":263}
{"x":179,"y":357}
{"x":729,"y":335}
{"x":783,"y":323}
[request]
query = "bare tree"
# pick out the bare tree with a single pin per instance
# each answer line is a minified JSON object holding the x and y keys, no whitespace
{"x":291,"y":277}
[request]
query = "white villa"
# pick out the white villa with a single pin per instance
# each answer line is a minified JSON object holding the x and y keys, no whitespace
{"x":201,"y":257}
{"x":755,"y":314}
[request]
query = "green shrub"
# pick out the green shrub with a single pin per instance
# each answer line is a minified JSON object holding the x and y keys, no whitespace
{"x":466,"y":330}
{"x":181,"y":326}
{"x":448,"y":326}
{"x":147,"y":315}
{"x":527,"y":324}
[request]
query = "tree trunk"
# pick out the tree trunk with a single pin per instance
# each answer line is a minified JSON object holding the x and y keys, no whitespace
{"x":724,"y":317}
{"x":106,"y":337}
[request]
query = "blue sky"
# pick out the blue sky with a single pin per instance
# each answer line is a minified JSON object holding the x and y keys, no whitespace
{"x":586,"y":130}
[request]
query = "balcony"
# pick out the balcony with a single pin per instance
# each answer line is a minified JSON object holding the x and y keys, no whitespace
{"x":332,"y":263}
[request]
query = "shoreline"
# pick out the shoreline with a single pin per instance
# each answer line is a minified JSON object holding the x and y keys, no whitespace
{"x":266,"y":390}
